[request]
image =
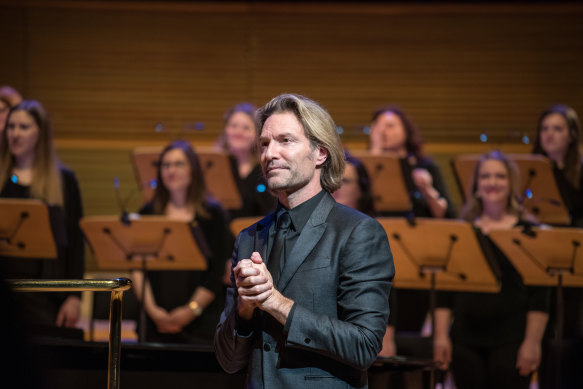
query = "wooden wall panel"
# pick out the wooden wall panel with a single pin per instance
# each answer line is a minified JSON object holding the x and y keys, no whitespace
{"x":13,"y":33}
{"x":116,"y":74}
{"x":109,"y":71}
{"x":457,"y":75}
{"x":112,"y":70}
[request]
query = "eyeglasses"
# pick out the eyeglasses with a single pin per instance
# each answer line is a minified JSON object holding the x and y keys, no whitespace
{"x":175,"y":164}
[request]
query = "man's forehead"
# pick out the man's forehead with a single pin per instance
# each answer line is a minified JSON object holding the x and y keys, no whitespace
{"x":281,"y":123}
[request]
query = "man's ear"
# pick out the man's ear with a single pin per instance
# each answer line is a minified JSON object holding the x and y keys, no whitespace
{"x":321,"y":155}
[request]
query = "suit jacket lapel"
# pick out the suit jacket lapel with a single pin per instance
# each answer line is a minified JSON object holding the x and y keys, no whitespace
{"x":310,"y":235}
{"x":262,"y":236}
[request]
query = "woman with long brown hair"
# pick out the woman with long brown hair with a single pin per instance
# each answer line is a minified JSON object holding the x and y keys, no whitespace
{"x":29,"y":168}
{"x":392,"y":132}
{"x":184,"y":306}
{"x":558,"y":139}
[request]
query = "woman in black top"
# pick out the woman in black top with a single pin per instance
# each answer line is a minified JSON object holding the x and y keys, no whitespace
{"x":392,"y":132}
{"x":495,"y":337}
{"x":557,"y":138}
{"x":239,"y":139}
{"x":184,"y":306}
{"x":355,"y":191}
{"x":29,"y":168}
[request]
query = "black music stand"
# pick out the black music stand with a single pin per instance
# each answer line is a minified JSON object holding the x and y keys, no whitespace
{"x":387,"y":183}
{"x":439,"y":254}
{"x":149,"y":243}
{"x":539,"y":193}
{"x":25,"y":229}
{"x":400,"y":363}
{"x":546,"y":257}
{"x":215,"y":165}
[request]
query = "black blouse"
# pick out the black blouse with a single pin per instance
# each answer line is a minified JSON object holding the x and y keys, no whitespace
{"x":175,"y":287}
{"x":491,"y":319}
{"x":572,"y":297}
{"x":70,"y":262}
{"x":572,"y":197}
{"x":419,"y":204}
{"x":409,"y":307}
{"x":257,"y":201}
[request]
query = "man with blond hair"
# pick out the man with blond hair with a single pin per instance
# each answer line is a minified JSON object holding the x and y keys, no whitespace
{"x":308,"y":304}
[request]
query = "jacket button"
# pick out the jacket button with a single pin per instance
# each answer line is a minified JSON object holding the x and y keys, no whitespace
{"x":266,"y":347}
{"x":307,"y":340}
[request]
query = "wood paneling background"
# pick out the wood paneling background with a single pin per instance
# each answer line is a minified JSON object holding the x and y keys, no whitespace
{"x":113,"y":70}
{"x":110,"y":72}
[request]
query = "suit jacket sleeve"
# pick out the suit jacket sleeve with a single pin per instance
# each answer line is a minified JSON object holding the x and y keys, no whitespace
{"x":366,"y":272}
{"x":231,"y":349}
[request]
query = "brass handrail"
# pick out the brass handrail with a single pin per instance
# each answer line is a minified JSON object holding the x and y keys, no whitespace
{"x":116,"y":287}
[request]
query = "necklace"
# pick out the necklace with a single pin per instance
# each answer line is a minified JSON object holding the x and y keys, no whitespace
{"x":14,"y":178}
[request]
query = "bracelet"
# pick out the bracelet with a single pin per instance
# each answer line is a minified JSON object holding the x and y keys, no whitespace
{"x":195,"y":308}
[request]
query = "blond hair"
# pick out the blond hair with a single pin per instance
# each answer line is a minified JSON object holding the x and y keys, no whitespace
{"x":319,"y":128}
{"x":474,"y":207}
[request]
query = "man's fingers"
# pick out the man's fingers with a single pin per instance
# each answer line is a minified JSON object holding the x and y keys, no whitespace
{"x":246,"y":271}
{"x":254,"y":288}
{"x":256,"y":258}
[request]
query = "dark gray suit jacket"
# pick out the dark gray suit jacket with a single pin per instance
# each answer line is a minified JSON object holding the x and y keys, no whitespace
{"x":339,"y":275}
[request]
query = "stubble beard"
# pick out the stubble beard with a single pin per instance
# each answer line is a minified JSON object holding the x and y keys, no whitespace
{"x":295,"y":181}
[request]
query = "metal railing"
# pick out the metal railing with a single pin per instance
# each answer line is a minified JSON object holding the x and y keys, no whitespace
{"x":116,"y":287}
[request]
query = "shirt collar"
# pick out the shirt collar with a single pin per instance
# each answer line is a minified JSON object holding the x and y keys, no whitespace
{"x":301,"y":214}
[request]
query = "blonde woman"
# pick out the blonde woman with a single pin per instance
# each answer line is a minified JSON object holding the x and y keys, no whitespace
{"x":239,"y":139}
{"x":495,"y":338}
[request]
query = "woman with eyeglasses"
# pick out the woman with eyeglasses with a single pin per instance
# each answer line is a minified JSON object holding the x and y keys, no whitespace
{"x":184,"y":306}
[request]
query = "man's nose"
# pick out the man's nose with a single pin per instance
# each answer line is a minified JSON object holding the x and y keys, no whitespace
{"x":271,"y":151}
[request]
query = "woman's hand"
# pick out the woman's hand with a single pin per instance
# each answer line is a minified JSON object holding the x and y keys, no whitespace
{"x":442,"y":351}
{"x":528,"y":358}
{"x":423,"y":180}
{"x":70,"y":312}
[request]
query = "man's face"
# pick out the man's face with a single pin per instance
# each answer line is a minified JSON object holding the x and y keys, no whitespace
{"x":288,"y":160}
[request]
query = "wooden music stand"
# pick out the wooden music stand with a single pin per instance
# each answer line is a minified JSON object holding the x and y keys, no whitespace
{"x":219,"y":179}
{"x":145,"y":163}
{"x":239,"y":224}
{"x":215,"y":165}
{"x":439,"y":254}
{"x":149,"y":243}
{"x":546,"y":257}
{"x":539,"y":193}
{"x":387,"y":183}
{"x":25,"y":229}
